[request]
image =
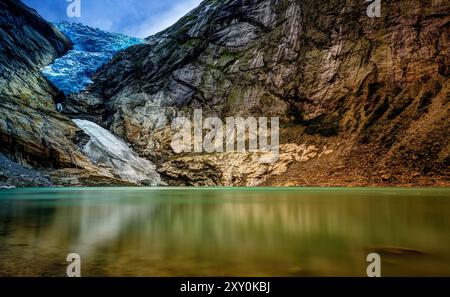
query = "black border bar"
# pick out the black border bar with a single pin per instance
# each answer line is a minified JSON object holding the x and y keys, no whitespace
{"x":157,"y":286}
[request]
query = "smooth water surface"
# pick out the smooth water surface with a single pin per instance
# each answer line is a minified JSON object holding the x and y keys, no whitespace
{"x":224,"y":232}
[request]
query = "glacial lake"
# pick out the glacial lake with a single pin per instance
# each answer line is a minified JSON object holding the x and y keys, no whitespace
{"x":225,"y":232}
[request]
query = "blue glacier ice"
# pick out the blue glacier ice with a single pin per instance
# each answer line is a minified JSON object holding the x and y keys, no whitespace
{"x":92,"y":48}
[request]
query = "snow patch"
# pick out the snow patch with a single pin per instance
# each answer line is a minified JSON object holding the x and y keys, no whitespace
{"x":106,"y":149}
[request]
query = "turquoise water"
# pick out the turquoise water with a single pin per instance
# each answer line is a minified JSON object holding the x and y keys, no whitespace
{"x":224,"y":232}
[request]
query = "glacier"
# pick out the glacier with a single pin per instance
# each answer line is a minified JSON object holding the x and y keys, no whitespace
{"x":109,"y":150}
{"x":92,"y":48}
{"x":72,"y":73}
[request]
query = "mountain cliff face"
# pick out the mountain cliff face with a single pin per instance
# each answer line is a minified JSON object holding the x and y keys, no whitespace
{"x":32,"y":132}
{"x":30,"y":128}
{"x":361,"y":100}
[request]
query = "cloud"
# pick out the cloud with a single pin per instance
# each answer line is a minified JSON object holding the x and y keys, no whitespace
{"x":160,"y":22}
{"x":139,"y":18}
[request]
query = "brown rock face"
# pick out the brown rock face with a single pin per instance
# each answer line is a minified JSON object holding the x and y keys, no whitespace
{"x":362,"y":101}
{"x":375,"y":91}
{"x":30,"y":128}
{"x":31,"y":131}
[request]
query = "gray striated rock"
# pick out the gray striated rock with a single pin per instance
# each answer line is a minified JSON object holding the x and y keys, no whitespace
{"x":377,"y":87}
{"x":373,"y":92}
{"x":30,"y":128}
{"x":32,"y":132}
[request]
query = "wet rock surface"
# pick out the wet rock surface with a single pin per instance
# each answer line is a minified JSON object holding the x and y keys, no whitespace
{"x":13,"y":175}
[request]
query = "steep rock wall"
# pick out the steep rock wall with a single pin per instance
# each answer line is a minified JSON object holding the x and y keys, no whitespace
{"x":374,"y":91}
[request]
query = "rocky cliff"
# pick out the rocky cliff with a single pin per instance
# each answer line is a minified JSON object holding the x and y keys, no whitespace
{"x":361,"y":100}
{"x":32,"y":132}
{"x":30,"y":127}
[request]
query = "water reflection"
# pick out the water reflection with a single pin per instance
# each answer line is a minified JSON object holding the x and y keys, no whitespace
{"x":188,"y":232}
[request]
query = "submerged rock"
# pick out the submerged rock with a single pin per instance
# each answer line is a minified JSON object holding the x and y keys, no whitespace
{"x":106,"y":149}
{"x":398,"y":251}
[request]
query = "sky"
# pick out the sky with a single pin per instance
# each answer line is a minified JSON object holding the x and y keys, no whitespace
{"x":137,"y":18}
